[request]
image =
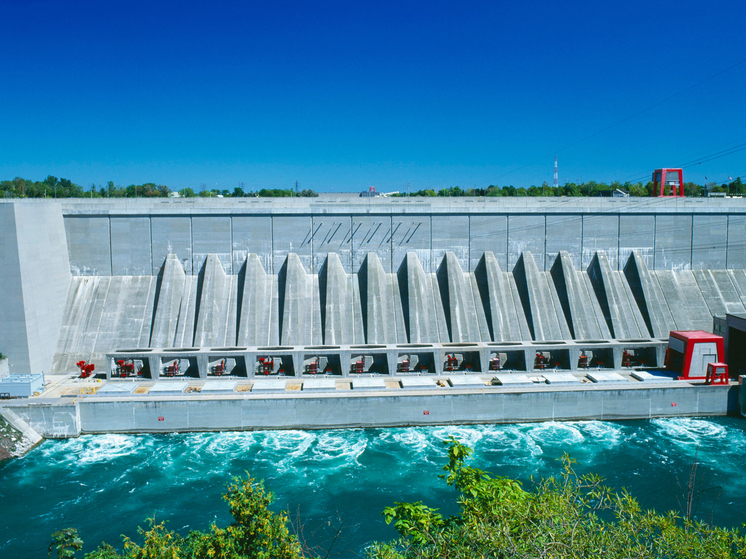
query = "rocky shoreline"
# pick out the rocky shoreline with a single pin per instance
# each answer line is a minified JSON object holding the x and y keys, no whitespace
{"x":13,"y":443}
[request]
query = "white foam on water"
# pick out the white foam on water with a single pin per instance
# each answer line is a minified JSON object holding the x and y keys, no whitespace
{"x":91,"y":449}
{"x":554,"y":433}
{"x":512,"y":440}
{"x":340,"y":445}
{"x":407,"y":444}
{"x":291,"y":443}
{"x":604,"y":433}
{"x":412,"y":438}
{"x":467,"y":435}
{"x":230,"y":442}
{"x":689,"y":431}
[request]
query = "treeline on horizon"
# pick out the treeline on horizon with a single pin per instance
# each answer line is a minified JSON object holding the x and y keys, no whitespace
{"x":590,"y":188}
{"x":52,"y":187}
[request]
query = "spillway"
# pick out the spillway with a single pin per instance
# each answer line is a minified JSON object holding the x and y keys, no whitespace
{"x":298,"y":308}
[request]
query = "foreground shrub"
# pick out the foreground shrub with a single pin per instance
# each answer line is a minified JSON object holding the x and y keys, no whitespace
{"x":570,"y":516}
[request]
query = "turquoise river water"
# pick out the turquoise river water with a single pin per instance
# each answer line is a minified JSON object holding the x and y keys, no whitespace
{"x":338,"y":481}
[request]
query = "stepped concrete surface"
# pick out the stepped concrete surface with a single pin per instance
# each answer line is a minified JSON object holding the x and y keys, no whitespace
{"x":296,"y":308}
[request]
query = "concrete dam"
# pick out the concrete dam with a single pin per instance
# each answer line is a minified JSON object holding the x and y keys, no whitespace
{"x":86,"y":278}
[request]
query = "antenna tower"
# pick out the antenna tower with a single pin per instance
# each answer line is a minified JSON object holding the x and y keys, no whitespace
{"x":556,"y":178}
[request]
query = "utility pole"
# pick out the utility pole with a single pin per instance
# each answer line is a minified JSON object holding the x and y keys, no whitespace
{"x":296,"y":187}
{"x":556,"y":177}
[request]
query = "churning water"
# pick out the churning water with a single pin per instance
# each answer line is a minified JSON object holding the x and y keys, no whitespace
{"x":335,"y":483}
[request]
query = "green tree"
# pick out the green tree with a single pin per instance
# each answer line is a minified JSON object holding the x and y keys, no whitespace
{"x":65,"y":542}
{"x":736,"y":187}
{"x":255,"y":533}
{"x":571,"y":516}
{"x":637,"y":190}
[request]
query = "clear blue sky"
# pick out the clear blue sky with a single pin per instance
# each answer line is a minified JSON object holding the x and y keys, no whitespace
{"x":343,"y":95}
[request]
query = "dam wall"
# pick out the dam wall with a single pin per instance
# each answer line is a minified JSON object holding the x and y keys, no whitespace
{"x":133,"y":237}
{"x":88,"y":277}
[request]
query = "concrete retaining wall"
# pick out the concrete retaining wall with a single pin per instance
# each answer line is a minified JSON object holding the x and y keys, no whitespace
{"x":484,"y":406}
{"x":60,"y":420}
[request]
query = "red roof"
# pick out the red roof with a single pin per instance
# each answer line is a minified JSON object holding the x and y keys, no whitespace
{"x":699,"y":335}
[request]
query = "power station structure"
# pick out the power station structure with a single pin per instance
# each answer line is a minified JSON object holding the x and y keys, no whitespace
{"x":339,"y":285}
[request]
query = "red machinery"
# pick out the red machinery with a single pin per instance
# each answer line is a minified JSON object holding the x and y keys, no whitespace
{"x":626,"y":359}
{"x":689,"y":353}
{"x":451,"y":363}
{"x":583,"y":361}
{"x":86,"y":369}
{"x":126,"y":367}
{"x":218,"y":369}
{"x":313,"y":367}
{"x":403,"y":367}
{"x":266,"y":365}
{"x":541,"y":361}
{"x":495,"y":363}
{"x":668,"y":177}
{"x":717,"y":373}
{"x":173,"y":369}
{"x":358,"y":366}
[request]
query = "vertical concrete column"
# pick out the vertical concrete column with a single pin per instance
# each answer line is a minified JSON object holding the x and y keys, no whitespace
{"x":574,"y":357}
{"x":111,"y":365}
{"x":392,"y":356}
{"x":484,"y":359}
{"x":529,"y":355}
{"x":298,"y":363}
{"x":250,"y":360}
{"x":203,"y":362}
{"x":616,"y":352}
{"x":438,"y":356}
{"x":155,"y":362}
{"x":660,"y":356}
{"x":345,"y":359}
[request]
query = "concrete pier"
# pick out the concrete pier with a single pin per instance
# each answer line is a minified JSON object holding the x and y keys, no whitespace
{"x":81,"y":407}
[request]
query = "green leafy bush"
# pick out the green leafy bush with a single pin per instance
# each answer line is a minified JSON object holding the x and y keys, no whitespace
{"x":255,"y":533}
{"x":570,"y":516}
